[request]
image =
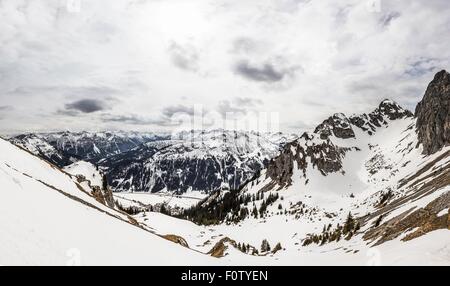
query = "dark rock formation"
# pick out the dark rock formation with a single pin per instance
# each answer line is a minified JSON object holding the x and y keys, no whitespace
{"x":337,"y":125}
{"x":433,"y":115}
{"x":325,"y":156}
{"x":387,"y":109}
{"x":392,"y":110}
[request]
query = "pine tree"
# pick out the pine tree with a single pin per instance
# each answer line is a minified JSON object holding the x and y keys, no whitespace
{"x":349,"y":223}
{"x":349,"y":235}
{"x":265,"y":246}
{"x":357,"y":226}
{"x":255,"y":212}
{"x":163,"y":209}
{"x":378,"y":221}
{"x":338,"y":235}
{"x":104,"y":183}
{"x":262,"y":208}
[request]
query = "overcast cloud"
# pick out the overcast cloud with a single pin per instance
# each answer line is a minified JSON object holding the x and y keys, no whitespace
{"x":133,"y":64}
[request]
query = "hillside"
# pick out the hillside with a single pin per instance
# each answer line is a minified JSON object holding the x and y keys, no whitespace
{"x":48,"y":219}
{"x":367,"y":189}
{"x":355,"y":181}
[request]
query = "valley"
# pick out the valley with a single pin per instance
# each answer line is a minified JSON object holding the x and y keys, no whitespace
{"x":367,"y":189}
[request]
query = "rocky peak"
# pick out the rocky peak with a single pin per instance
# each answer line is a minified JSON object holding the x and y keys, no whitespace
{"x":392,"y":110}
{"x":337,"y":125}
{"x":387,"y":110}
{"x":433,"y":114}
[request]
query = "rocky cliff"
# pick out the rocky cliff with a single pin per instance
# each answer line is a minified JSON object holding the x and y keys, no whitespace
{"x":433,"y":114}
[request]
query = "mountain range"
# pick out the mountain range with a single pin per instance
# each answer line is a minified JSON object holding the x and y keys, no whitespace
{"x":361,"y":189}
{"x":147,"y":162}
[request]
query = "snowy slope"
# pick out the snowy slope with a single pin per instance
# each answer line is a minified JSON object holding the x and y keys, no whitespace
{"x":373,"y":168}
{"x":46,"y":219}
{"x":431,"y":249}
{"x":87,"y":170}
{"x":358,"y":190}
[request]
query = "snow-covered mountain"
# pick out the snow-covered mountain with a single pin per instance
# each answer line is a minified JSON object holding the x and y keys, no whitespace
{"x":48,"y":217}
{"x":354,"y":181}
{"x":193,"y":161}
{"x":369,"y":189}
{"x":64,"y":148}
{"x":145,"y":162}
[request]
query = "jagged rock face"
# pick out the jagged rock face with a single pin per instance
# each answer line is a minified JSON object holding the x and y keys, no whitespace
{"x":39,"y":146}
{"x":324,"y":156}
{"x":341,"y":127}
{"x":321,"y":152}
{"x":387,"y":109}
{"x":433,"y":115}
{"x":392,"y":110}
{"x":337,"y":125}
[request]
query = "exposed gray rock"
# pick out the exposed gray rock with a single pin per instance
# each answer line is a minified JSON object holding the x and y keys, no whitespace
{"x":387,"y":110}
{"x":326,"y":157}
{"x":337,"y":125}
{"x":433,"y":115}
{"x":323,"y":154}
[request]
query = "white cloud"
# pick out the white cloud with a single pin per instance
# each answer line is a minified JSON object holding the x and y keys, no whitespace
{"x":303,"y":59}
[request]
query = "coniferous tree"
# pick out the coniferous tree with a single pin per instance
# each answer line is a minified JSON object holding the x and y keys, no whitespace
{"x":349,"y":224}
{"x":265,"y":246}
{"x":357,"y":226}
{"x":104,"y":183}
{"x":378,"y":221}
{"x":255,"y":212}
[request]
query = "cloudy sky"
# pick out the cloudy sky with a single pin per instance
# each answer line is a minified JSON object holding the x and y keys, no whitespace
{"x":150,"y":64}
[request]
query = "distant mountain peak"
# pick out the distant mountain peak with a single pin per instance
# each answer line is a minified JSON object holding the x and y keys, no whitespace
{"x":393,"y":110}
{"x":340,"y":125}
{"x":386,"y":110}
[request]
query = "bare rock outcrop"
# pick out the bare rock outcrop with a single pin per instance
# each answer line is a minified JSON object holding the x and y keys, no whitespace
{"x":433,"y":114}
{"x":338,"y":125}
{"x":176,"y":239}
{"x":387,"y":110}
{"x":323,"y":155}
